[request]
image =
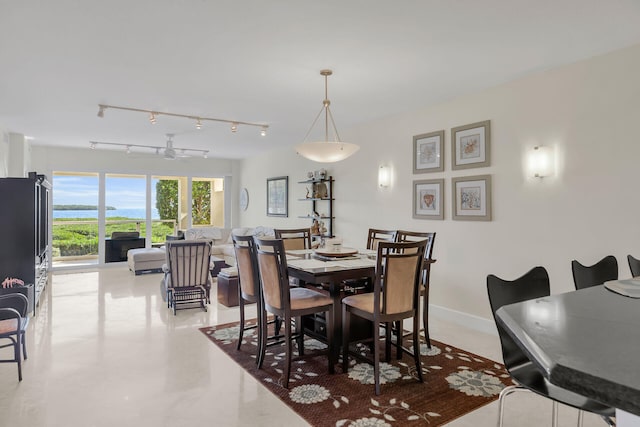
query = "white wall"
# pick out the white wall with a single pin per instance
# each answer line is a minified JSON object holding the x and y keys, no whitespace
{"x":587,"y":111}
{"x":4,"y":153}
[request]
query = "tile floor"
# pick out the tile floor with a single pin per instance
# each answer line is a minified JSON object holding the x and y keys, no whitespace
{"x":104,"y":350}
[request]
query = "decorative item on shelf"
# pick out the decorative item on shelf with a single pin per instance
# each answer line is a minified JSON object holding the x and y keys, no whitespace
{"x":308,"y":196}
{"x":323,"y":229}
{"x":320,"y":190}
{"x":326,"y":151}
{"x":323,"y":173}
{"x":310,"y":175}
{"x":12,"y":282}
{"x":315,"y":227}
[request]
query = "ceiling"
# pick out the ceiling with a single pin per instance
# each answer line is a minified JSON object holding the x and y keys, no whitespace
{"x":260,"y":61}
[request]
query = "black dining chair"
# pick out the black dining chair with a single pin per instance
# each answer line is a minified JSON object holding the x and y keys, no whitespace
{"x":586,"y":276}
{"x":634,"y":265}
{"x":13,"y":326}
{"x":534,"y":284}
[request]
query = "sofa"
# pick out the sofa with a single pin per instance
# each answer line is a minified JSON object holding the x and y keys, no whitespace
{"x":220,"y":238}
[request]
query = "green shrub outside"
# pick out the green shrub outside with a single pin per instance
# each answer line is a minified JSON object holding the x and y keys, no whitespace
{"x":82,"y":239}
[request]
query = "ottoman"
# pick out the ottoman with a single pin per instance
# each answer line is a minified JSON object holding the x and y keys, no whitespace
{"x":146,"y":260}
{"x":228,"y":287}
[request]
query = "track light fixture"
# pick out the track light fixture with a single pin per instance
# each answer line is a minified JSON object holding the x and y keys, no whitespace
{"x":198,"y":119}
{"x":169,"y":151}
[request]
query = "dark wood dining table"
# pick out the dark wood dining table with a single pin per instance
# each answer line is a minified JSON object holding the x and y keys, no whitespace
{"x":586,"y":341}
{"x":330,"y":275}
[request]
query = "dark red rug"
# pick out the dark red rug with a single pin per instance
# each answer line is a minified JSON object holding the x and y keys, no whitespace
{"x":455,"y":382}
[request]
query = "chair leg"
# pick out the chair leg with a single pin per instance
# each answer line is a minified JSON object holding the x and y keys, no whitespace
{"x":580,"y":417}
{"x":16,"y":352}
{"x":387,"y":341}
{"x":241,"y":332}
{"x":504,"y":393}
{"x":376,"y":357}
{"x":399,"y":337}
{"x":416,"y":347}
{"x":425,"y":317}
{"x":289,"y":350}
{"x":300,"y":336}
{"x":24,"y":347}
{"x":262,"y":335}
{"x":346,"y":327}
{"x":330,"y":341}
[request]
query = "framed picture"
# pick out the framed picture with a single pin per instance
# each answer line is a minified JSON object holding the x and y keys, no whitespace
{"x":427,"y":199}
{"x":428,"y":152}
{"x":472,"y":198}
{"x":278,"y":196}
{"x":471,"y":145}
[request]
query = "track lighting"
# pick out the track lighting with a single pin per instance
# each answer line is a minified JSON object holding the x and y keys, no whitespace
{"x":168,"y":151}
{"x":154,"y":114}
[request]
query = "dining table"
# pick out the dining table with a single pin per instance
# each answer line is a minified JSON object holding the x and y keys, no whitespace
{"x":586,"y":341}
{"x":332,"y":274}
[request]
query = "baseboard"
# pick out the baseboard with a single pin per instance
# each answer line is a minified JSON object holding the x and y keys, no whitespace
{"x":470,"y":321}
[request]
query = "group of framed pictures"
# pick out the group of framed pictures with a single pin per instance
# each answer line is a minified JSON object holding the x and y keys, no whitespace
{"x":471,"y":195}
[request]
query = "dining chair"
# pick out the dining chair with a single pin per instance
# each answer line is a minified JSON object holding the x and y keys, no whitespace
{"x":187,"y":279}
{"x":249,"y":290}
{"x":394,"y":298}
{"x":289,"y":303}
{"x":294,"y":239}
{"x":527,"y":377}
{"x":13,"y":326}
{"x":410,"y":236}
{"x":586,"y":276}
{"x":634,"y":265}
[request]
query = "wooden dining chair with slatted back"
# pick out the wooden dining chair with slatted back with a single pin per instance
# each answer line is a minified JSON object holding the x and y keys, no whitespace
{"x":249,"y":290}
{"x":411,"y":236}
{"x":586,"y":276}
{"x":289,"y":303}
{"x":525,"y":374}
{"x":13,"y":326}
{"x":395,"y":297}
{"x":295,"y":238}
{"x":634,"y":265}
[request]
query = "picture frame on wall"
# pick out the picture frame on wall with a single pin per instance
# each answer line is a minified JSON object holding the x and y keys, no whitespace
{"x":471,"y":145}
{"x":471,"y":198}
{"x":428,"y":150}
{"x":278,"y":196}
{"x":428,"y":199}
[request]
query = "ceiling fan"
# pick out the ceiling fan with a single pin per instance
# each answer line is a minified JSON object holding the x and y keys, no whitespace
{"x":169,"y":152}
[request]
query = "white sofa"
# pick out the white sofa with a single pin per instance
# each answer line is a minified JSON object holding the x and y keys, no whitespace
{"x":221,"y":243}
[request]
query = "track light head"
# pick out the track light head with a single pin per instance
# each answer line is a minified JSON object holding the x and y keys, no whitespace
{"x":263,"y":131}
{"x":198,"y":124}
{"x":152,"y":118}
{"x":101,"y":110}
{"x":234,"y":127}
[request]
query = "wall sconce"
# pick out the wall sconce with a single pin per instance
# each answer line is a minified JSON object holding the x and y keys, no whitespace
{"x":541,"y":162}
{"x":384,"y":176}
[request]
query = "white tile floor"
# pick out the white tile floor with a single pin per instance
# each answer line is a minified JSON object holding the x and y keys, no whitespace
{"x":105,"y":351}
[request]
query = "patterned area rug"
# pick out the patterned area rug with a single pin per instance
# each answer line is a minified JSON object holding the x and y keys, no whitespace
{"x":455,"y":383}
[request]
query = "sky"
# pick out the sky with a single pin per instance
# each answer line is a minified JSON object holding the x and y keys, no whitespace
{"x":121,"y":193}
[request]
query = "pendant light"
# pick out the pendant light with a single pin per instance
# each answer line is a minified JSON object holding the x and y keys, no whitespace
{"x":326,"y":151}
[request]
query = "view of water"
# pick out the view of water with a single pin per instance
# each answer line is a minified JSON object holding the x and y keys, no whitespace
{"x":127,"y":213}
